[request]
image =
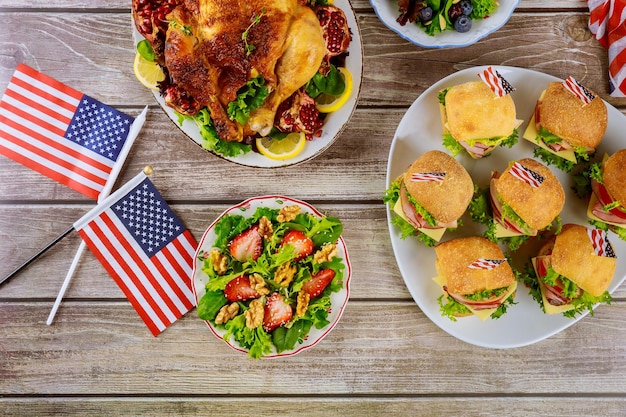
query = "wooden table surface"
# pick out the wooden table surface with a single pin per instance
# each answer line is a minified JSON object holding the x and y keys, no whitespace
{"x":385,"y":357}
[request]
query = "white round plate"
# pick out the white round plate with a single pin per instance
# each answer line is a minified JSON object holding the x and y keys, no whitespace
{"x":419,"y":131}
{"x":334,"y":124}
{"x":388,"y":12}
{"x":246,"y":209}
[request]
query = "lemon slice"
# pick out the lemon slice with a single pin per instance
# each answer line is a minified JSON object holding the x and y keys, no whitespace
{"x":147,"y":72}
{"x":327,"y":103}
{"x":288,"y":147}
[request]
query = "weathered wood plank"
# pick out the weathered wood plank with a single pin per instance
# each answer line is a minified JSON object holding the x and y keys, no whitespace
{"x":369,"y":406}
{"x":377,"y":348}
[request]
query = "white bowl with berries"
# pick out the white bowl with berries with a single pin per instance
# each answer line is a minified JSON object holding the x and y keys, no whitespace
{"x":444,"y":23}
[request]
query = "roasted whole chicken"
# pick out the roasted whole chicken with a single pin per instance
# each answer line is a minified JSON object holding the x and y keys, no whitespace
{"x":210,"y":49}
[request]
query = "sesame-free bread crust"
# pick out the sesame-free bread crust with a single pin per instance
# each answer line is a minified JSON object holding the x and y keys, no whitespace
{"x":573,"y":257}
{"x":566,"y":116}
{"x":614,"y":176}
{"x":455,"y":256}
{"x":446,"y":200}
{"x":474,"y":111}
{"x":536,"y":206}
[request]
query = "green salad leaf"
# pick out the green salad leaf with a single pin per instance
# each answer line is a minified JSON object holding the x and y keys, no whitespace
{"x":249,"y":98}
{"x":210,"y":139}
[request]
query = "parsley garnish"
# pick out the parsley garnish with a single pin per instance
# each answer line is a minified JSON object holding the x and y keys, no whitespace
{"x":244,"y":36}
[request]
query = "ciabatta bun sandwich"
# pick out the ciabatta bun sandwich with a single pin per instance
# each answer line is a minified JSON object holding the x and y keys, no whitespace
{"x":430,"y":196}
{"x":476,"y":120}
{"x":565,"y":129}
{"x":574,"y":270}
{"x":524,"y":200}
{"x":475,"y":277}
{"x":607,"y":205}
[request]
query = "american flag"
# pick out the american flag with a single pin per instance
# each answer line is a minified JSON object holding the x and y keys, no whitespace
{"x":61,"y":132}
{"x":600,"y":242}
{"x":146,"y":249}
{"x":578,"y":90}
{"x":607,"y":21}
{"x":530,"y":177}
{"x":496,"y":82}
{"x":486,"y":264}
{"x":428,"y":176}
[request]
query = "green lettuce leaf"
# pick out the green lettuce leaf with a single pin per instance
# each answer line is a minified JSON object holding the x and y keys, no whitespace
{"x":249,"y":98}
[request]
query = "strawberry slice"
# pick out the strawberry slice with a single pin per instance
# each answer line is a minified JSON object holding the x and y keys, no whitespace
{"x":247,"y":245}
{"x":318,"y":282}
{"x":304,"y":245}
{"x":239,"y":289}
{"x":276,"y":312}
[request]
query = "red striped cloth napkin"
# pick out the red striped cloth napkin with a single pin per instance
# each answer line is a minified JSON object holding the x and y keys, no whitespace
{"x":607,"y":21}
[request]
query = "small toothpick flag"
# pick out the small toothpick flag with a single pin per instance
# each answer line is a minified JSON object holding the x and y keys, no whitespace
{"x":486,"y":264}
{"x":600,"y":242}
{"x":62,"y":133}
{"x":428,"y":176}
{"x":146,"y":249}
{"x":530,"y":177}
{"x":578,"y":90}
{"x":496,"y":82}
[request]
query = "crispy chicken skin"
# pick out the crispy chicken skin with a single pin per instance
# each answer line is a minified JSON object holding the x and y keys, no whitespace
{"x":207,"y":58}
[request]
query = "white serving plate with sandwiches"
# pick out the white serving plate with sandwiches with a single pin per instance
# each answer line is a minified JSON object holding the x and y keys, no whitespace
{"x":420,"y":130}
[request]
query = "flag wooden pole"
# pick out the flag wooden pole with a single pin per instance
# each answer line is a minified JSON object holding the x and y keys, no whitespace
{"x":137,"y":125}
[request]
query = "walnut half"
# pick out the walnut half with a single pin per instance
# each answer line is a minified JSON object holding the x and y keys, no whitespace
{"x":265,"y":228}
{"x":303,"y":303}
{"x":219,"y":261}
{"x":284,"y":274}
{"x":326,"y":253}
{"x":258,"y":283}
{"x":288,"y":213}
{"x":228,"y":312}
{"x":255,"y":313}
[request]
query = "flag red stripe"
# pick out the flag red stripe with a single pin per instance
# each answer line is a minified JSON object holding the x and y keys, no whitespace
{"x":194,"y":245}
{"x":62,"y":148}
{"x":170,"y":280}
{"x":130,"y":251}
{"x":189,"y":260}
{"x":94,"y":247}
{"x":28,"y":116}
{"x":58,"y":101}
{"x":49,"y":81}
{"x":40,"y":107}
{"x":45,"y":170}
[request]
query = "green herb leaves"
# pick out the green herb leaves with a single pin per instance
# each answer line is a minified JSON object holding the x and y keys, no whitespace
{"x":244,"y":36}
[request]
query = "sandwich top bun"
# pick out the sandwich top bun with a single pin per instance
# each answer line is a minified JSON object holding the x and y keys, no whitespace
{"x":537,"y":206}
{"x":454,"y":258}
{"x":614,"y":176}
{"x":446,"y":200}
{"x":573,"y":257}
{"x":474,"y":111}
{"x":563,"y":114}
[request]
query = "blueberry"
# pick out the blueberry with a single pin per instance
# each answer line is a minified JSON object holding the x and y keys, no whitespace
{"x":463,"y":24}
{"x":426,"y":14}
{"x":466,"y":7}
